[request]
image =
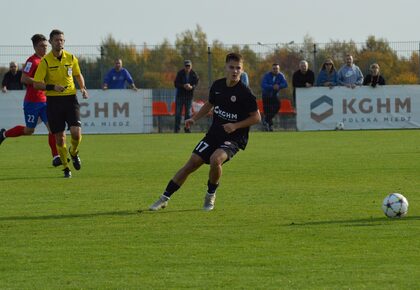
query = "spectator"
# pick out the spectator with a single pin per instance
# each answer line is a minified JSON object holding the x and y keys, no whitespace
{"x":271,"y":84}
{"x":11,"y":80}
{"x":117,"y":77}
{"x":302,"y":78}
{"x":185,"y":82}
{"x":327,"y":76}
{"x":245,"y":78}
{"x":350,"y":74}
{"x":374,"y":78}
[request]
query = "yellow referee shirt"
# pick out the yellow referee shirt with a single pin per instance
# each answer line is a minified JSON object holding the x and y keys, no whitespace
{"x":52,"y":71}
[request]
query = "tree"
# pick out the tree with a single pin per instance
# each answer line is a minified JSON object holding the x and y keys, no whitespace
{"x":160,"y":65}
{"x":378,"y":51}
{"x":156,"y":66}
{"x":192,"y":44}
{"x":128,"y":53}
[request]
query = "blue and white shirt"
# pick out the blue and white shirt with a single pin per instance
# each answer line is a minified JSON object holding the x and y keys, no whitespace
{"x":350,"y":75}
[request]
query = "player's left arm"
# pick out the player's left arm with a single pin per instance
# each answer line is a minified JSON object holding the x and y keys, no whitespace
{"x":254,"y":118}
{"x":81,"y":82}
{"x":28,"y":72}
{"x":77,"y":74}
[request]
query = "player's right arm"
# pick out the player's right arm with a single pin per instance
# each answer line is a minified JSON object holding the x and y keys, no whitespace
{"x":205,"y":109}
{"x":44,"y":87}
{"x":39,"y":79}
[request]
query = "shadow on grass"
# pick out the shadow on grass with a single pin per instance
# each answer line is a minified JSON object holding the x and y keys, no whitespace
{"x":356,"y":222}
{"x":51,"y":177}
{"x":146,"y":211}
{"x":91,"y":215}
{"x":68,"y":216}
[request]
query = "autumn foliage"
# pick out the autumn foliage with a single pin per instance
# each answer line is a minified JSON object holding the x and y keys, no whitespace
{"x":155,"y":66}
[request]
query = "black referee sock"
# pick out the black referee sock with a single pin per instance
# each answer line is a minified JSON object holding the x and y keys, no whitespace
{"x":171,"y":188}
{"x":211,"y":188}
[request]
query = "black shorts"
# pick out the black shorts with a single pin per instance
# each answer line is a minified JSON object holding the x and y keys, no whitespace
{"x":206,"y":147}
{"x":62,"y":110}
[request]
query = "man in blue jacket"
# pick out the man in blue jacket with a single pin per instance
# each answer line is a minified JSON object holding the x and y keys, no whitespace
{"x":117,"y":77}
{"x":272,"y":83}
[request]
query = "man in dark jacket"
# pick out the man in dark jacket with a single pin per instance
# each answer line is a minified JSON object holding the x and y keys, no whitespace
{"x":185,"y":82}
{"x":11,"y":80}
{"x":302,"y":78}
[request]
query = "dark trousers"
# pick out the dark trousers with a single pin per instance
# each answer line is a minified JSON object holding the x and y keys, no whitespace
{"x":271,"y":106}
{"x":180,"y":103}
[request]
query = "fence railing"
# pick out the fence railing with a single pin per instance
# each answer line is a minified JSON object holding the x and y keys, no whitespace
{"x":155,"y":66}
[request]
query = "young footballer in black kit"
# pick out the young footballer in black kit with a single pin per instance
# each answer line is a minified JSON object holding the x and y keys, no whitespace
{"x":234,"y":111}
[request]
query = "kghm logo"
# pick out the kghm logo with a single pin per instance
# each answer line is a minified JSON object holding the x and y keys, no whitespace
{"x":321,"y":108}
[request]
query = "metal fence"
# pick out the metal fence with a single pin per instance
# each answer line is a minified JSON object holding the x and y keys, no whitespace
{"x":155,"y":66}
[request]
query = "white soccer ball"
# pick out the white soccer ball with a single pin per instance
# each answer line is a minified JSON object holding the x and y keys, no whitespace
{"x":339,"y":126}
{"x":395,"y":205}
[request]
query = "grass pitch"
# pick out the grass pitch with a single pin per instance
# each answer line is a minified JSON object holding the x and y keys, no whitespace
{"x":294,"y":211}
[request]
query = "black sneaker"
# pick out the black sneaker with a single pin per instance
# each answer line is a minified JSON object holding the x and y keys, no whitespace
{"x":2,"y":135}
{"x":67,"y":172}
{"x":56,"y":161}
{"x":77,"y":163}
{"x":187,"y":130}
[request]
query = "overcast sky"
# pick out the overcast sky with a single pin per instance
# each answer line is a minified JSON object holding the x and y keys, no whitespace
{"x":88,"y":22}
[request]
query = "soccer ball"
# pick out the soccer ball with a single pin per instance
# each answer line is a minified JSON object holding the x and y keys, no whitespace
{"x":339,"y":126}
{"x":395,"y":205}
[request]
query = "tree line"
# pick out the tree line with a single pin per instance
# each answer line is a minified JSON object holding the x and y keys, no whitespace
{"x":156,"y":66}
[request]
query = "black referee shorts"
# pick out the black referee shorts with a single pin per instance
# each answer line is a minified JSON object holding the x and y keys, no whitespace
{"x":62,"y":110}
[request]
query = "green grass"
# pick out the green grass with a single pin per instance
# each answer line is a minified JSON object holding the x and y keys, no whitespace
{"x":294,"y":211}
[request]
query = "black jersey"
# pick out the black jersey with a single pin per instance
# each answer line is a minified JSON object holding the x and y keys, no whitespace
{"x":230,"y":105}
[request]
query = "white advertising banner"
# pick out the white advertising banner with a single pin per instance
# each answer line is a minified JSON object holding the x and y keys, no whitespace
{"x":383,"y":107}
{"x":111,"y":111}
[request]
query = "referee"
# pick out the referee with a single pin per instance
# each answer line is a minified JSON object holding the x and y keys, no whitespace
{"x":55,"y":75}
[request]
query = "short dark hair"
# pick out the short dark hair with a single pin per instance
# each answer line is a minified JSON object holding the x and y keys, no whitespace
{"x":55,"y":32}
{"x":37,"y":38}
{"x":234,"y":56}
{"x":276,"y":64}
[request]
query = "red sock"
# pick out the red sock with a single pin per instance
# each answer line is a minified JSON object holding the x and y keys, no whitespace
{"x":51,"y":142}
{"x":15,"y":131}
